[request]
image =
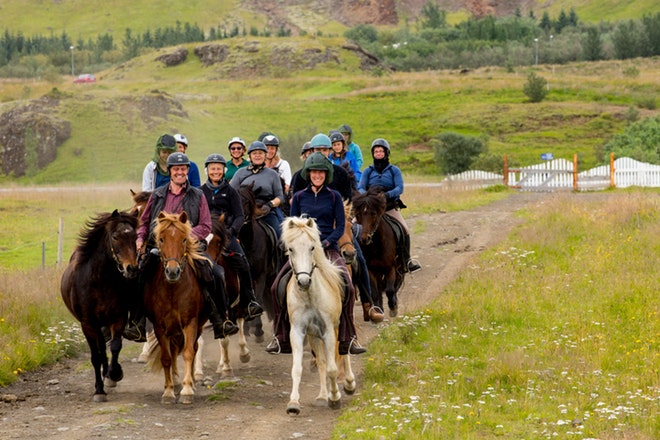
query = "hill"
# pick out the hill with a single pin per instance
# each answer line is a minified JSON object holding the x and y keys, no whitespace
{"x":84,"y":19}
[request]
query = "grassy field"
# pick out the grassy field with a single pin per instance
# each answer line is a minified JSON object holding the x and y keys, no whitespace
{"x":554,"y":334}
{"x":113,"y":134}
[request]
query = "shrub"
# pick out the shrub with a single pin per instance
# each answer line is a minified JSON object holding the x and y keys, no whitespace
{"x":535,"y":88}
{"x":455,"y":153}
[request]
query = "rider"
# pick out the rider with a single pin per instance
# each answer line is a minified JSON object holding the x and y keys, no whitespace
{"x":155,"y":173}
{"x":176,"y":197}
{"x":275,"y":162}
{"x":354,"y":148}
{"x":390,"y":179}
{"x":182,"y":147}
{"x":223,"y":199}
{"x":325,"y":206}
{"x":340,"y":181}
{"x":340,"y":155}
{"x":236,"y":147}
{"x":267,"y":187}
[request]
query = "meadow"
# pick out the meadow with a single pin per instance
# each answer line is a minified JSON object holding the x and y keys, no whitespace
{"x":553,"y":334}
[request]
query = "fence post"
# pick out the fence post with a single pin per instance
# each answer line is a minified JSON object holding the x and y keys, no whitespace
{"x":612,"y":170}
{"x":575,"y":172}
{"x":506,"y":170}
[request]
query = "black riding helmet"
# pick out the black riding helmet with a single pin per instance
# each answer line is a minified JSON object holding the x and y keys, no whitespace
{"x":215,"y":158}
{"x":271,"y":139}
{"x":380,"y":142}
{"x":177,"y":159}
{"x":317,"y":161}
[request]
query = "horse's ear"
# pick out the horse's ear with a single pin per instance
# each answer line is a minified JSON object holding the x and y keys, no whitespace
{"x":310,"y":222}
{"x":161,"y":215}
{"x":183,"y":217}
{"x":115,"y":213}
{"x":133,"y":193}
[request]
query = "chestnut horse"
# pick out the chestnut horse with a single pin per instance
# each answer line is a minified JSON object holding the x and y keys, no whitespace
{"x":175,"y":303}
{"x":314,"y":300}
{"x":379,"y":246}
{"x":97,"y":287}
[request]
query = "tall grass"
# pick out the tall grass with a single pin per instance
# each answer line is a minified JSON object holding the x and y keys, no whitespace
{"x":554,"y":334}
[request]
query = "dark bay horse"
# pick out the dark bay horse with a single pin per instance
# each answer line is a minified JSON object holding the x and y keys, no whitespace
{"x":175,"y":303}
{"x":379,"y":246}
{"x":98,"y":286}
{"x":263,"y":254}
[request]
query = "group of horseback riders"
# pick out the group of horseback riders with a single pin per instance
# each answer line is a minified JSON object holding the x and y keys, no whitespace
{"x":318,"y":190}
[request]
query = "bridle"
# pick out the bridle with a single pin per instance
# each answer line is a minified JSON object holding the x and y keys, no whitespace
{"x":297,"y":274}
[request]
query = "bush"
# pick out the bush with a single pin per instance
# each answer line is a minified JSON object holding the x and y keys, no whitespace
{"x":455,"y":153}
{"x":640,"y":141}
{"x":535,"y":88}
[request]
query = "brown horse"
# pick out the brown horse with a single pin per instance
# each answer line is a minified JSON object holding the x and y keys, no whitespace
{"x":263,"y":254}
{"x":175,"y":303}
{"x":345,"y":242}
{"x":379,"y":246}
{"x":97,"y":287}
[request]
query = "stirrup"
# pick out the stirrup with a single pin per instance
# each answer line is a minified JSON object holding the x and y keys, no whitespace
{"x":254,"y":310}
{"x":274,"y":347}
{"x":413,"y":266}
{"x":378,"y":311}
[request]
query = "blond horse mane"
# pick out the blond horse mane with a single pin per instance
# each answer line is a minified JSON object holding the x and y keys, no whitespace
{"x":193,"y":251}
{"x":296,"y":227}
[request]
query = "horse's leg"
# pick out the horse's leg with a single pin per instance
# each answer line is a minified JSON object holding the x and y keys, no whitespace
{"x":99,"y":392}
{"x":199,"y":360}
{"x":318,"y":348}
{"x":297,"y":338}
{"x":115,"y":372}
{"x":390,"y":291}
{"x":349,"y":377}
{"x":168,"y":396}
{"x":189,"y":349}
{"x":224,"y":365}
{"x":244,"y":354}
{"x":147,"y":346}
{"x":330,"y":340}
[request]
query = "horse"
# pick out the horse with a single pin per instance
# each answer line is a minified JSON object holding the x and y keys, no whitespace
{"x":345,"y":242}
{"x":314,"y":301}
{"x":379,"y":246}
{"x":215,"y":251}
{"x":140,"y":200}
{"x":98,"y":286}
{"x":263,"y":254}
{"x":174,"y":302}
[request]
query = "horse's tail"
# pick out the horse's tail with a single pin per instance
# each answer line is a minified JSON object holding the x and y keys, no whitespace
{"x":153,"y":357}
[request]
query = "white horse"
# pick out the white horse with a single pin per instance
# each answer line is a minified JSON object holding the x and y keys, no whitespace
{"x":314,"y":301}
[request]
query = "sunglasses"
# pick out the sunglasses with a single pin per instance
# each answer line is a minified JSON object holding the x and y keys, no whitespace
{"x":236,"y":148}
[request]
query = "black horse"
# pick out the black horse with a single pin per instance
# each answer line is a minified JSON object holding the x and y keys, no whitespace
{"x":263,"y":254}
{"x":98,"y":286}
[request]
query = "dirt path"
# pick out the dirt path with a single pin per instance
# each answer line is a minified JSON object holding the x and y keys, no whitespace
{"x":55,"y":403}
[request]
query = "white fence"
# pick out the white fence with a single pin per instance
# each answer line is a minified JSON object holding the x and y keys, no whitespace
{"x":560,"y":174}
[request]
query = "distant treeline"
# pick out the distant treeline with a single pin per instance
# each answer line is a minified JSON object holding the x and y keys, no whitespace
{"x":430,"y":43}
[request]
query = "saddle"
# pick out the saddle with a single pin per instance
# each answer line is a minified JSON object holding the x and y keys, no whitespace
{"x":281,"y":288}
{"x":399,"y":234}
{"x":272,"y":237}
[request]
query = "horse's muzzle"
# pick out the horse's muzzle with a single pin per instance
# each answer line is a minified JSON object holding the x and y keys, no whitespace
{"x":172,"y":273}
{"x":130,"y":271}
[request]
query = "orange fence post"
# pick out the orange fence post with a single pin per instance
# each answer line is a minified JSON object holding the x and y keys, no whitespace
{"x":575,"y":172}
{"x":612,"y":185}
{"x":506,"y":170}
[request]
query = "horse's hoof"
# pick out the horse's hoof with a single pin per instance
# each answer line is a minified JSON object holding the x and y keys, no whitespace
{"x":349,"y":390}
{"x":168,"y":400}
{"x":199,"y":377}
{"x":115,"y":376}
{"x":227,"y":374}
{"x":394,"y":311}
{"x":321,"y":403}
{"x":186,"y":399}
{"x":244,"y":358}
{"x":334,"y":404}
{"x":293,"y":409}
{"x":109,"y":383}
{"x":100,"y":398}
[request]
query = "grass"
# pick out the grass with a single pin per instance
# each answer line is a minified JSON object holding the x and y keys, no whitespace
{"x":551,"y":335}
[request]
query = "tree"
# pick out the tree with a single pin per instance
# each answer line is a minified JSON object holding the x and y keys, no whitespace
{"x":640,"y":141}
{"x":592,"y":46}
{"x":434,"y":18}
{"x":535,"y":87}
{"x":455,"y":153}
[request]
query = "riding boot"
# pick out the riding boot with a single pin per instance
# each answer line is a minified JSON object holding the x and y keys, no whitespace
{"x":136,"y":327}
{"x":410,"y":265}
{"x":347,"y":335}
{"x":217,"y":300}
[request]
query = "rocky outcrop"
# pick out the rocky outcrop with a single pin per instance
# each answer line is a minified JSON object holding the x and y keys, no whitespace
{"x":174,"y":58}
{"x":30,"y":135}
{"x":210,"y":54}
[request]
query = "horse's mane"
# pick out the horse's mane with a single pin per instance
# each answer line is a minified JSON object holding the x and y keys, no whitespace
{"x":351,"y":175}
{"x":372,"y":200}
{"x":94,"y":230}
{"x":295,"y":227}
{"x":193,"y":251}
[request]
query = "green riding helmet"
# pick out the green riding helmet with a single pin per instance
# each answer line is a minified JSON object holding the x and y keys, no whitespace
{"x":317,"y":161}
{"x":215,"y":158}
{"x":166,"y":142}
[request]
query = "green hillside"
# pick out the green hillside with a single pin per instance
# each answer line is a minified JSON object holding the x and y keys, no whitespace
{"x":115,"y":122}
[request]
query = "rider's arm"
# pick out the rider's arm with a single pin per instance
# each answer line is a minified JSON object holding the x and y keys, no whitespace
{"x":203,"y":227}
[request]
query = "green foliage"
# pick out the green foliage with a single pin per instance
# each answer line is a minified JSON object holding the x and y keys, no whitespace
{"x":640,"y":141}
{"x":535,"y":88}
{"x":455,"y":153}
{"x":362,"y":34}
{"x":433,"y":17}
{"x":592,"y":45}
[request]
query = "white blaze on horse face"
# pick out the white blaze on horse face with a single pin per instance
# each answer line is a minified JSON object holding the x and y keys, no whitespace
{"x":301,"y":258}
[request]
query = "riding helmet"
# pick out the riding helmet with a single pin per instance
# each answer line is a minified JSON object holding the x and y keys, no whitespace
{"x":181,"y":139}
{"x":380,"y":142}
{"x":177,"y":159}
{"x":321,"y":141}
{"x":271,"y":139}
{"x":166,"y":142}
{"x":317,"y":161}
{"x":215,"y":158}
{"x":257,"y":146}
{"x":235,"y":140}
